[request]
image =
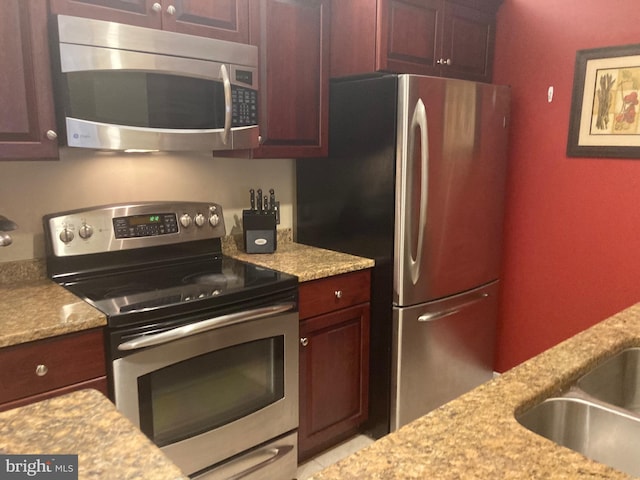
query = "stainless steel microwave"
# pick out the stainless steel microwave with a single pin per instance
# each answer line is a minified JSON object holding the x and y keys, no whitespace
{"x":122,"y":87}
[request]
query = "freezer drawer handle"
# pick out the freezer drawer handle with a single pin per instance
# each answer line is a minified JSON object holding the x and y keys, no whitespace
{"x":430,"y":317}
{"x":204,"y":326}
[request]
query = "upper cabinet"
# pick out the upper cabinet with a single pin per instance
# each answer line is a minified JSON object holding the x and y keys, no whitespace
{"x":451,"y":38}
{"x":293,"y":41}
{"x":27,"y":119}
{"x":221,"y":19}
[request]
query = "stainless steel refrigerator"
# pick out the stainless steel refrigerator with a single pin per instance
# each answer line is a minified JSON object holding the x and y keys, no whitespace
{"x":415,"y":179}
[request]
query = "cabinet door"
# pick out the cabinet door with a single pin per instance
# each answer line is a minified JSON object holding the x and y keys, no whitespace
{"x":293,"y":39}
{"x":221,"y":19}
{"x":132,"y":12}
{"x":353,"y":37}
{"x":37,"y":367}
{"x":468,"y":42}
{"x":334,"y":377}
{"x":409,"y":36}
{"x":26,"y":97}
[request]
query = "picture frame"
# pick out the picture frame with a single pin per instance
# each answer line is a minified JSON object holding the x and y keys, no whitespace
{"x":605,"y":105}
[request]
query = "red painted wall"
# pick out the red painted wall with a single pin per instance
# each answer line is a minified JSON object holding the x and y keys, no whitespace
{"x":572,"y":231}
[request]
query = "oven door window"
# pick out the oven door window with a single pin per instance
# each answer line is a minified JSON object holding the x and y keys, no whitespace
{"x":152,"y":100}
{"x":211,"y":390}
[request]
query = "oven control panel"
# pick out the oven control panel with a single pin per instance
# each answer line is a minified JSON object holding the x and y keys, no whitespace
{"x":135,"y":226}
{"x":128,"y":226}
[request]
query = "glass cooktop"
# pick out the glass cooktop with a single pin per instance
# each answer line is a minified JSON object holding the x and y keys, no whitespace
{"x":178,"y":288}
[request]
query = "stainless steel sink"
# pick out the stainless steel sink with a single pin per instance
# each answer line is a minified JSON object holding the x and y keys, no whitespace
{"x":598,"y":432}
{"x":598,"y":415}
{"x":616,"y":381}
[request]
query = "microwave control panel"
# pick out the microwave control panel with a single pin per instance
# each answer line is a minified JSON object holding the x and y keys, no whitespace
{"x":245,"y":106}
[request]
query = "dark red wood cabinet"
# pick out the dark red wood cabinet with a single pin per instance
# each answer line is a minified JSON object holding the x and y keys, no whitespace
{"x":43,"y":369}
{"x":334,"y":360}
{"x":221,"y":19}
{"x":450,"y":38}
{"x":27,"y":118}
{"x":293,"y":41}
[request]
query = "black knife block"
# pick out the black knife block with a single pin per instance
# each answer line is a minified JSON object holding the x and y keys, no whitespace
{"x":259,"y":231}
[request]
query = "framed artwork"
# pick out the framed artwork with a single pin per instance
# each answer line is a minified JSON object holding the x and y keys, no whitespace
{"x":605,"y":106}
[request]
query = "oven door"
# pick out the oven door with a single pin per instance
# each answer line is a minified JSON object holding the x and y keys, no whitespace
{"x":216,"y":392}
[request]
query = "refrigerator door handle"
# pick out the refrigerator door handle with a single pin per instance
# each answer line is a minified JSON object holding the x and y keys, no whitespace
{"x":430,"y":317}
{"x":419,"y":121}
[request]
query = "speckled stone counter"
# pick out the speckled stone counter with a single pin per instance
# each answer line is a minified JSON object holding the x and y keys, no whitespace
{"x":87,"y":424}
{"x":37,"y":309}
{"x":476,"y":436}
{"x":307,"y":263}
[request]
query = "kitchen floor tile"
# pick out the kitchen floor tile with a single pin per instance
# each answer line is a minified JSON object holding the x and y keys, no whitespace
{"x":332,"y":456}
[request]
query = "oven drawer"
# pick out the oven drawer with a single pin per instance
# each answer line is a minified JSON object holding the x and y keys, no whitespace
{"x":333,"y":293}
{"x":37,"y":367}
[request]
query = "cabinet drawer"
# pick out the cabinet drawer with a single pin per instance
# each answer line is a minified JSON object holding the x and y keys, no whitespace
{"x":332,"y":293}
{"x":61,"y":361}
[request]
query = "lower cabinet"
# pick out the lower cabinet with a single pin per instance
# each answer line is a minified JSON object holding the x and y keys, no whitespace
{"x":334,"y":360}
{"x":47,"y":368}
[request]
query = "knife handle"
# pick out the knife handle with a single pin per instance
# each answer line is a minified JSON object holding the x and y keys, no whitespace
{"x":252,"y":198}
{"x":272,"y":199}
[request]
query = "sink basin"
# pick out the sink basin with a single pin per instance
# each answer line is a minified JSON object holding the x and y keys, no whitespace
{"x":600,"y":433}
{"x":616,"y":381}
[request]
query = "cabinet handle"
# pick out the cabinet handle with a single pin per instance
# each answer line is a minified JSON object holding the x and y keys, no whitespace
{"x":338,"y":293}
{"x":41,"y":370}
{"x":51,"y":134}
{"x":444,"y":61}
{"x":156,"y":7}
{"x":171,"y":10}
{"x":304,"y":341}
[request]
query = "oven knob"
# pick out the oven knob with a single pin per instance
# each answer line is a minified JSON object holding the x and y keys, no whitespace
{"x":214,"y":219}
{"x":85,"y":231}
{"x":185,"y":220}
{"x":66,"y":235}
{"x":199,"y":219}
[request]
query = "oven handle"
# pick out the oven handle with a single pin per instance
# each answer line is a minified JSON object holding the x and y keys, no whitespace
{"x":204,"y":326}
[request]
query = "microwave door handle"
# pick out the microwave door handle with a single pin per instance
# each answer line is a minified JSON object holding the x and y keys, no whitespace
{"x":228,"y":107}
{"x":204,"y":326}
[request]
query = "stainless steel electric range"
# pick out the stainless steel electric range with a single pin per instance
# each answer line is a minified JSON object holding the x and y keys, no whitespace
{"x":203,"y":353}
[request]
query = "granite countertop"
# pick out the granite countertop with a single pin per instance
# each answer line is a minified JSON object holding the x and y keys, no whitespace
{"x":476,"y":435}
{"x":305,"y":262}
{"x":34,"y":309}
{"x":87,"y":424}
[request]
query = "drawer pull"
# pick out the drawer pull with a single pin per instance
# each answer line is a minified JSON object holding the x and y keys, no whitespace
{"x":41,"y":370}
{"x":304,"y":341}
{"x":338,"y":293}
